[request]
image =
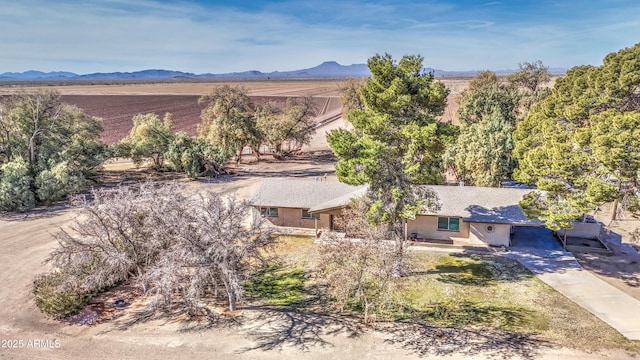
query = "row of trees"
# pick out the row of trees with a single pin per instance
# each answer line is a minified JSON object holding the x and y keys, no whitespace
{"x":579,"y":142}
{"x":48,"y":149}
{"x":234,"y":122}
{"x":231,"y":122}
{"x":152,"y":139}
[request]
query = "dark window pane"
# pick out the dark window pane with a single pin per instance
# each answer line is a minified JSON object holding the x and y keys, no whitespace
{"x":454,"y":224}
{"x":443,"y":223}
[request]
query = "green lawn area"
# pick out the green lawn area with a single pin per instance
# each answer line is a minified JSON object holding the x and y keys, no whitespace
{"x":454,"y":291}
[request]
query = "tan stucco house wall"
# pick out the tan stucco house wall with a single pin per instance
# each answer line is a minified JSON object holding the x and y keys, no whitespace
{"x":490,"y":234}
{"x":426,"y":226}
{"x":292,"y":217}
{"x":583,"y":230}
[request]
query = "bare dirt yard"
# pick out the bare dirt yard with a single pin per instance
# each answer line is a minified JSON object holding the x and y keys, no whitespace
{"x":622,"y":269}
{"x":250,"y":333}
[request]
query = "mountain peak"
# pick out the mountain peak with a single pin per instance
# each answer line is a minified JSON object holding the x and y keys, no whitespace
{"x":330,"y":63}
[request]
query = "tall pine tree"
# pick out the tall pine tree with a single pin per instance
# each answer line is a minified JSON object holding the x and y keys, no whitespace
{"x":396,"y":142}
{"x":582,"y":143}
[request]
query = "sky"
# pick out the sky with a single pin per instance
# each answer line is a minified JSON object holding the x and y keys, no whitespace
{"x":87,"y":36}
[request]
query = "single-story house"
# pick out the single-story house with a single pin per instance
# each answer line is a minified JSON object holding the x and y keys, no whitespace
{"x":287,"y":202}
{"x":467,"y":215}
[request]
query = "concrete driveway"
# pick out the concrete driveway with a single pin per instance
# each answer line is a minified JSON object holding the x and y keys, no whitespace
{"x":537,"y":249}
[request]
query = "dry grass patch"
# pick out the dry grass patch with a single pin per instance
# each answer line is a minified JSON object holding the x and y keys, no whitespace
{"x":454,"y":294}
{"x":499,"y":293}
{"x":295,"y":250}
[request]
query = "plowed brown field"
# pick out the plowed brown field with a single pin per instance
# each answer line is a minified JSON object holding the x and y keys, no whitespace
{"x":116,"y":104}
{"x":117,"y":111}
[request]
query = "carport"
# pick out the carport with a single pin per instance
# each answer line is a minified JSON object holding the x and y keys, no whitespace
{"x":538,"y":237}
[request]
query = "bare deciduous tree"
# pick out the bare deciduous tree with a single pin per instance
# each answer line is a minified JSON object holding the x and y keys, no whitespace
{"x":359,"y":267}
{"x":181,"y":250}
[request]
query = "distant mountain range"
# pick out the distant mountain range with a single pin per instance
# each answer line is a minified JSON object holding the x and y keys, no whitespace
{"x":328,"y":69}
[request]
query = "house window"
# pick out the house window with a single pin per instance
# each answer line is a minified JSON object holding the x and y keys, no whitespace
{"x":449,"y":224}
{"x":308,"y":215}
{"x":271,"y":212}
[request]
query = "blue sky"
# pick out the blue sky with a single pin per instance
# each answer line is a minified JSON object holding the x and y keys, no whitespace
{"x":224,"y":36}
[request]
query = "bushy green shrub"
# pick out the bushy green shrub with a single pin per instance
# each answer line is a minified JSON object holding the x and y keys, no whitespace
{"x":15,"y":188}
{"x":45,"y":135}
{"x":148,"y":139}
{"x":55,"y":183}
{"x":54,"y":300}
{"x":194,"y":156}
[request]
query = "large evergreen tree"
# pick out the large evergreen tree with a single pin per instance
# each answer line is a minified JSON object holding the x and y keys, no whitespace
{"x":396,"y":142}
{"x":488,"y":115}
{"x":582,"y":143}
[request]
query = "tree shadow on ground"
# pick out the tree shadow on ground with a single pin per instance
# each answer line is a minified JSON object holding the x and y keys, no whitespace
{"x":310,"y":163}
{"x":623,"y":264}
{"x":477,"y":270}
{"x":471,"y":313}
{"x":423,"y":340}
{"x":274,"y":329}
{"x":207,"y":319}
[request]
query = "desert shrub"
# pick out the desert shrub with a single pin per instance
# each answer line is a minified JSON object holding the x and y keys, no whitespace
{"x":42,"y":132}
{"x":15,"y":187}
{"x":292,"y":125}
{"x":149,"y":138}
{"x":183,"y":250}
{"x":55,"y":183}
{"x":229,"y":121}
{"x":194,"y":156}
{"x":360,"y":269}
{"x":55,"y":299}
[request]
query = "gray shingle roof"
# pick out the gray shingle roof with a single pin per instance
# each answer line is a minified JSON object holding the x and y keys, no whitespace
{"x":298,"y":193}
{"x":341,"y":200}
{"x":473,"y":204}
{"x":482,"y":204}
